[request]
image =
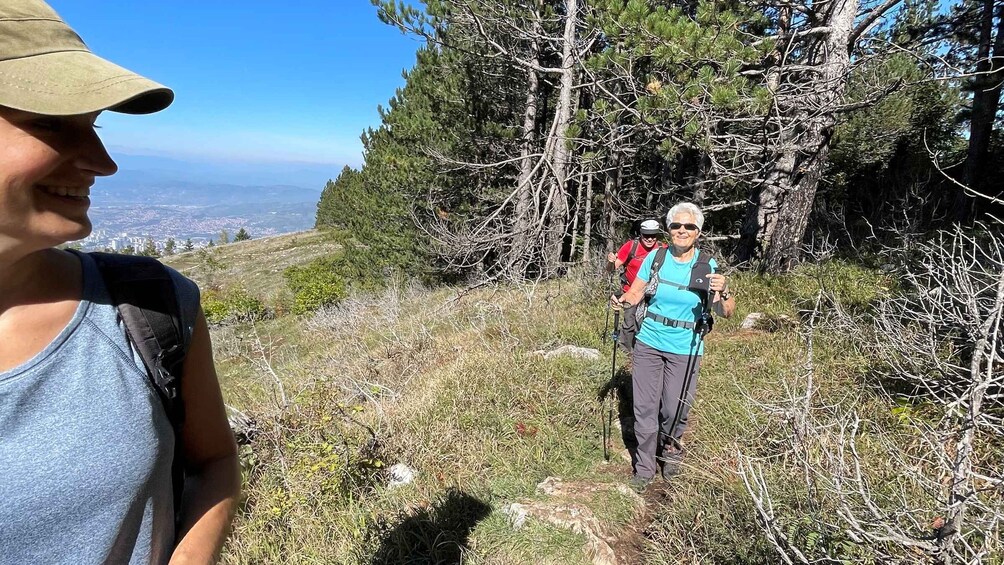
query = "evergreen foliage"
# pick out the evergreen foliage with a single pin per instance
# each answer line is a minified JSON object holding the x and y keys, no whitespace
{"x":475,"y":170}
{"x":149,"y":248}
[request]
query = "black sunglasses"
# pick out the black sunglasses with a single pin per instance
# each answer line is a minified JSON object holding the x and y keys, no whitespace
{"x":650,"y":236}
{"x":678,"y":225}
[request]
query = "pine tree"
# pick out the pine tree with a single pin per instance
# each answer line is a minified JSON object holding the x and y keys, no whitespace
{"x":526,"y":132}
{"x":149,"y":248}
{"x":188,"y":245}
{"x":242,"y":235}
{"x":978,"y":26}
{"x":169,"y":246}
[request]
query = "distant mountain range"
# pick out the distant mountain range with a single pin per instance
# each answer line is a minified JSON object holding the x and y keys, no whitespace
{"x":245,"y":173}
{"x":142,"y":187}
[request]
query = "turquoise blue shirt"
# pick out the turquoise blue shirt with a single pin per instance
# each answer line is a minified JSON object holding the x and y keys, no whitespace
{"x":674,"y":303}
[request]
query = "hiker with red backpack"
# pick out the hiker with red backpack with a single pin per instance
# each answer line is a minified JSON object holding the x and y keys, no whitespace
{"x":627,"y":261}
{"x":675,"y":292}
{"x":114,"y":441}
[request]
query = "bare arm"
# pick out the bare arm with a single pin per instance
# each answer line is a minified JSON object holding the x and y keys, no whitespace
{"x":634,"y":294}
{"x":213,"y":478}
{"x":723,"y":308}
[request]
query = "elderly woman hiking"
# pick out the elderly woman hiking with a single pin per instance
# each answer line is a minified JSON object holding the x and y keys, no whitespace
{"x":106,"y":454}
{"x":669,"y":346}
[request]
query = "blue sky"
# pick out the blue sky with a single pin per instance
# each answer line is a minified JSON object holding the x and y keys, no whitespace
{"x":255,"y":80}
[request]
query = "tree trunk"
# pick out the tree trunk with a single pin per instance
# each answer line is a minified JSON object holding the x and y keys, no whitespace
{"x":575,"y":220}
{"x":524,"y":217}
{"x":778,"y":216}
{"x":560,"y":150}
{"x":986,"y":101}
{"x":698,"y":182}
{"x":588,"y":217}
{"x":610,"y":187}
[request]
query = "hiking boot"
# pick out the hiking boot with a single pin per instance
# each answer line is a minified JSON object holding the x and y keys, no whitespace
{"x":639,"y":484}
{"x":670,"y":461}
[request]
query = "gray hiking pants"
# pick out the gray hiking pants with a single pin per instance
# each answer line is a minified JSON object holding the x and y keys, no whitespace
{"x":629,"y":328}
{"x":663,"y":385}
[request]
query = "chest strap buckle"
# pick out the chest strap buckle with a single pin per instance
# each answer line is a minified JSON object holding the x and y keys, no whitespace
{"x":670,"y":322}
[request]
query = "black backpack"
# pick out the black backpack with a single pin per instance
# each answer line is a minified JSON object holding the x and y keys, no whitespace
{"x":631,"y":254}
{"x":143,"y":292}
{"x":699,"y":272}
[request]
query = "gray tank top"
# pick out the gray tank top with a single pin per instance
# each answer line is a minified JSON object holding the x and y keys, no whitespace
{"x":85,"y":445}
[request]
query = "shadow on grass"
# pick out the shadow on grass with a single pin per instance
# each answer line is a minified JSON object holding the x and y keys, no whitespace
{"x":620,"y":383}
{"x":434,"y":535}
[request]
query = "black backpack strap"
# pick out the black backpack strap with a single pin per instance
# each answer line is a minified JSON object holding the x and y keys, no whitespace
{"x":143,"y":292}
{"x":632,"y":252}
{"x":702,"y":266}
{"x":660,"y":258}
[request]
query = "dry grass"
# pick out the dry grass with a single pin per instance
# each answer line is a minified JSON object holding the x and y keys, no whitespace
{"x":451,"y":388}
{"x":412,"y":376}
{"x":255,"y":265}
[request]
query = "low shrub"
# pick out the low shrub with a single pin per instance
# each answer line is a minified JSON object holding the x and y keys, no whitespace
{"x":233,"y":306}
{"x":315,"y":284}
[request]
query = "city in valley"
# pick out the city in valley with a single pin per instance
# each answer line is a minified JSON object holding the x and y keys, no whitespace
{"x":135,"y":228}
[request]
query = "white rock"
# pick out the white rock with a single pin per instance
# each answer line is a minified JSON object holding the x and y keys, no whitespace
{"x":752,"y":321}
{"x":769,"y":323}
{"x":571,"y":351}
{"x":517,"y":514}
{"x":549,"y":486}
{"x":401,"y":474}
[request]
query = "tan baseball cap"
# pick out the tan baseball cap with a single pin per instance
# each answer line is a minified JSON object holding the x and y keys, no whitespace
{"x":45,"y":68}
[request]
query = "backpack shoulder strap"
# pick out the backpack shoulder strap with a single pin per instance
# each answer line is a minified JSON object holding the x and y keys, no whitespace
{"x":702,"y":259}
{"x":143,"y":292}
{"x":634,"y":250}
{"x":660,"y":258}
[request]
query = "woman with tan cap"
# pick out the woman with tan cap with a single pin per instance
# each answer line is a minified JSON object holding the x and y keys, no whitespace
{"x":86,"y":448}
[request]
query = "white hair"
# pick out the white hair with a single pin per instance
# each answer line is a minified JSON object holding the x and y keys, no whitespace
{"x":686,"y":208}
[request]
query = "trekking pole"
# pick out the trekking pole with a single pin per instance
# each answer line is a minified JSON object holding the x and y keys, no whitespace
{"x":606,"y":321}
{"x":608,"y":412}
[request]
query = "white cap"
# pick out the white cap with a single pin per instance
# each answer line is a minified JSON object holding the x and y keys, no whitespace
{"x":650,"y":227}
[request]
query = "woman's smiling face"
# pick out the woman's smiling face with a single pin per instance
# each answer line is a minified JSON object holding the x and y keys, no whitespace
{"x":47,"y":167}
{"x":681,"y":233}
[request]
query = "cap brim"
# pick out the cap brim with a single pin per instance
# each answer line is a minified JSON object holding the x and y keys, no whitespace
{"x":77,"y":82}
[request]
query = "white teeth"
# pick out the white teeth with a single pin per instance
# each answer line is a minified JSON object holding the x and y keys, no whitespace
{"x":71,"y":191}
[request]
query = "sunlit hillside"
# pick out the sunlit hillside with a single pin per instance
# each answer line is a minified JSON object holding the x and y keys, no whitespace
{"x":255,"y":265}
{"x":422,"y":425}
